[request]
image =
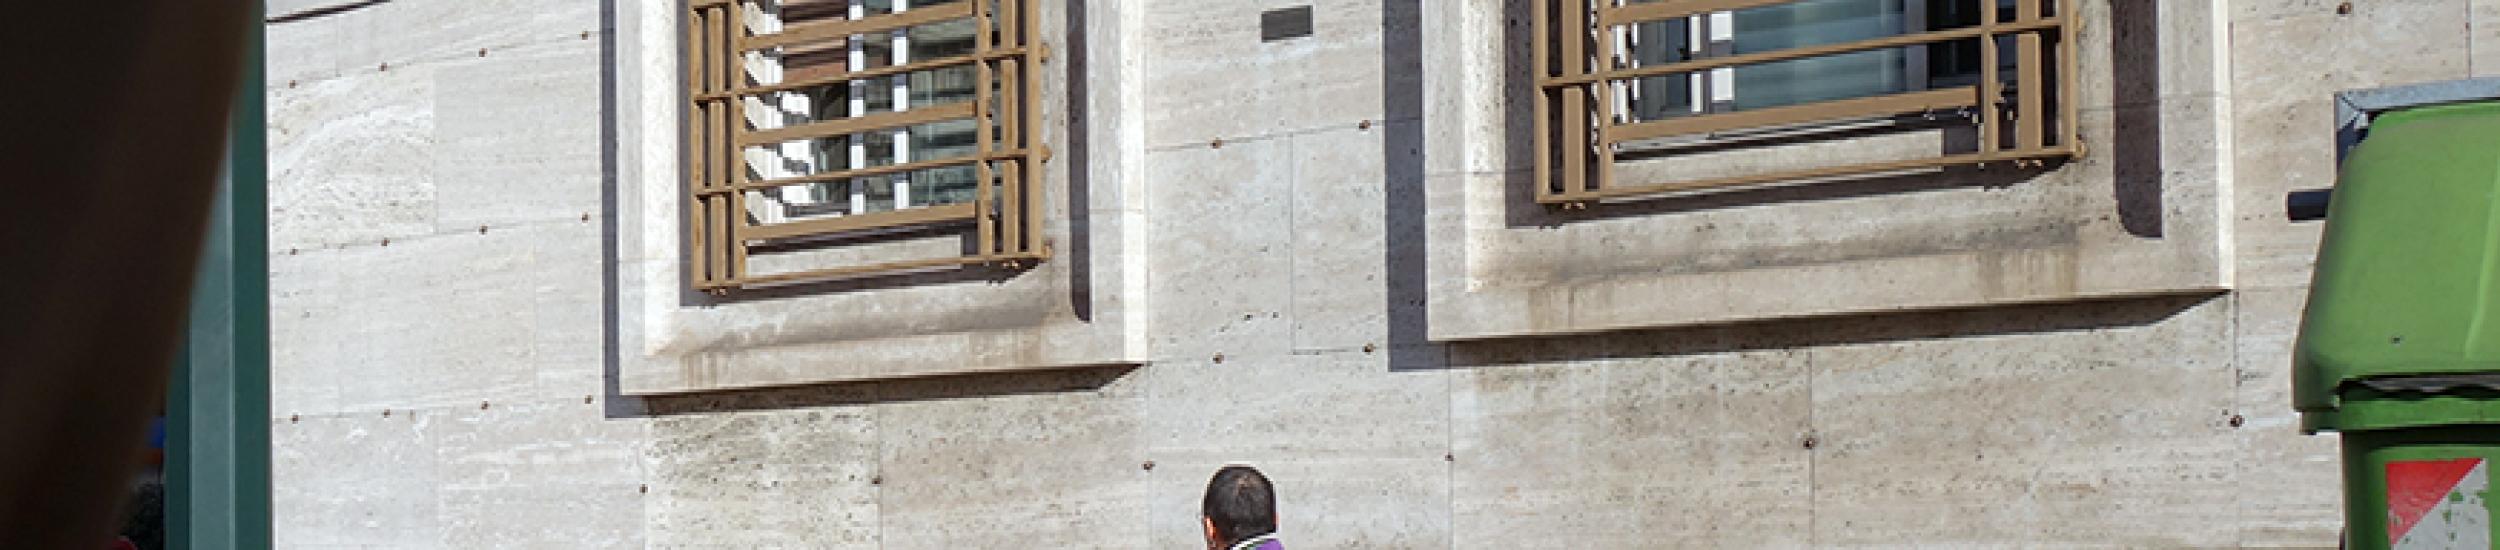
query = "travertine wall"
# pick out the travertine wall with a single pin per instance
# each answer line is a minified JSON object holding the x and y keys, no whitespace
{"x":448,"y":179}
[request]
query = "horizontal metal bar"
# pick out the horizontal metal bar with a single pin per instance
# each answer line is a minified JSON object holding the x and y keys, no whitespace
{"x":1930,"y":100}
{"x":857,"y":222}
{"x":847,"y":126}
{"x":701,"y":4}
{"x":879,"y":72}
{"x":1805,"y":174}
{"x":844,"y":28}
{"x":1671,"y":9}
{"x":865,"y":172}
{"x":864,"y":270}
{"x":1773,"y":56}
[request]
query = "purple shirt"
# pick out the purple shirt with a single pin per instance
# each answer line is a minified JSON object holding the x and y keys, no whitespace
{"x":1261,"y":542}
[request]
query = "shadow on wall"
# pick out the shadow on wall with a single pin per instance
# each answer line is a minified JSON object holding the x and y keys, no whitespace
{"x":611,"y":343}
{"x":1827,"y":331}
{"x":1032,"y":382}
{"x":2135,"y":88}
{"x":1402,"y":197}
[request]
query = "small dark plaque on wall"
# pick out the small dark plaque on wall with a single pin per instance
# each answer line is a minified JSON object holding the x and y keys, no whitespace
{"x":1293,"y":22}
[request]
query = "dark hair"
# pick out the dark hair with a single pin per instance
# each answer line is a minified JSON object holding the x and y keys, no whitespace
{"x":1240,"y":503}
{"x":143,"y":520}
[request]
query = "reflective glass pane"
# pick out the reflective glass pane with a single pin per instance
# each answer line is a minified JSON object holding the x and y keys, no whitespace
{"x":1813,"y":23}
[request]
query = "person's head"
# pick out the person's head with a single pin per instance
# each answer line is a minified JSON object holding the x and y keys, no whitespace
{"x":1240,"y":504}
{"x":143,"y":523}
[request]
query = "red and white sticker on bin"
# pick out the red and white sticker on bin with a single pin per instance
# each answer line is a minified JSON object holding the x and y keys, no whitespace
{"x":2438,"y":504}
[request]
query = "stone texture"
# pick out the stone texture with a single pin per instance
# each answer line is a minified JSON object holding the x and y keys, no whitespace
{"x":1949,"y":442}
{"x":2101,"y":423}
{"x":1056,"y":466}
{"x":763,"y":475}
{"x":539,"y":475}
{"x":1629,"y":449}
{"x":2280,"y":470}
{"x":488,"y":175}
{"x":453,"y":312}
{"x":2485,"y":23}
{"x":1208,"y":64}
{"x":358,"y":480}
{"x":366,"y":39}
{"x":2284,"y":103}
{"x":352,"y":170}
{"x":568,"y":302}
{"x":1227,"y":288}
{"x":1355,"y":448}
{"x":1339,"y":237}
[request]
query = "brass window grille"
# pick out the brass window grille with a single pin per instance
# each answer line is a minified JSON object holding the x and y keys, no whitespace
{"x":788,"y":110}
{"x":2021,"y":98}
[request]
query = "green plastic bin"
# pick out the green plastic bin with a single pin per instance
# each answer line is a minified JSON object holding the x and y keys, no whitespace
{"x":2400,"y":349}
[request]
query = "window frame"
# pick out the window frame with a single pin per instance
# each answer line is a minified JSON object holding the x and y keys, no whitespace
{"x":1005,"y":213}
{"x":1577,"y":73}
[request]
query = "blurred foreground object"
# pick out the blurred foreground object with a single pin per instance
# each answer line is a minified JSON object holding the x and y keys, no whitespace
{"x":118,"y":127}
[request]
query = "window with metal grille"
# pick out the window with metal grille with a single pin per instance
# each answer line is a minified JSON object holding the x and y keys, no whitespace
{"x":1625,"y":80}
{"x":816,"y":124}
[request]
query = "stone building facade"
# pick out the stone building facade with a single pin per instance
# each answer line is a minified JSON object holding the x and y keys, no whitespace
{"x":1310,"y":254}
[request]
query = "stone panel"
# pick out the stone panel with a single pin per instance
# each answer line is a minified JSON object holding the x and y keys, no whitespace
{"x":404,"y":34}
{"x":489,"y":173}
{"x":1223,"y":225}
{"x":358,"y":480}
{"x":997,"y":461}
{"x":796,"y":475}
{"x":1355,"y":449}
{"x":351,"y":160}
{"x":548,"y":474}
{"x":1208,"y":66}
{"x":2286,"y":73}
{"x":1339,"y":235}
{"x":1628,"y":449}
{"x":438,"y":320}
{"x":568,"y":347}
{"x":2485,"y":23}
{"x":308,"y":338}
{"x":2282,"y":473}
{"x":2261,"y":10}
{"x":2114,"y":435}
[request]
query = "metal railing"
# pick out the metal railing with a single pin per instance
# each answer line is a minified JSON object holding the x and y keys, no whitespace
{"x":1005,"y":212}
{"x":1580,"y":65}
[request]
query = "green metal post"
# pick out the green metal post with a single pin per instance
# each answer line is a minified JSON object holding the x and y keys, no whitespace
{"x":217,"y":459}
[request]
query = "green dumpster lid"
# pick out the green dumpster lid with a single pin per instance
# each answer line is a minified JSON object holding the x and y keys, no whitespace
{"x":2408,"y":276}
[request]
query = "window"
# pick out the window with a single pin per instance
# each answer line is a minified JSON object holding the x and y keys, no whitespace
{"x":816,"y":124}
{"x":1621,"y":80}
